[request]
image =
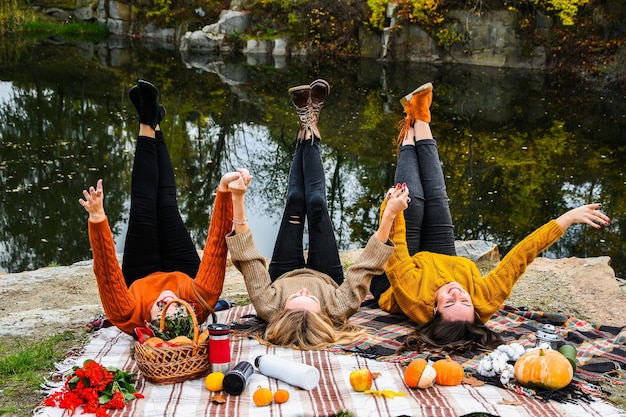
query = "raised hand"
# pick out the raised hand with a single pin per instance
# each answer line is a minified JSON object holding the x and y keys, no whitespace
{"x":93,"y":202}
{"x":239,"y":186}
{"x":245,"y":174}
{"x":397,"y":199}
{"x":588,"y":213}
{"x":241,"y":173}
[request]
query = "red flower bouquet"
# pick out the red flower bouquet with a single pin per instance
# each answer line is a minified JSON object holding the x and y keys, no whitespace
{"x":96,"y":388}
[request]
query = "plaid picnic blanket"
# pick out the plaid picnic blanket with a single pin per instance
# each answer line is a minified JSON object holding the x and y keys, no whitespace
{"x":334,"y":394}
{"x":601,"y":350}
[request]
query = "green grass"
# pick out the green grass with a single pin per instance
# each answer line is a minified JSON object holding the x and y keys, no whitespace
{"x":72,"y":29}
{"x":16,"y":16}
{"x":13,"y":15}
{"x":24,"y":363}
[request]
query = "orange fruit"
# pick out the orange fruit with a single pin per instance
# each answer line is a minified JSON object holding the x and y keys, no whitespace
{"x":153,"y":341}
{"x":214,"y":381}
{"x":281,"y":396}
{"x":262,"y":396}
{"x":181,"y":340}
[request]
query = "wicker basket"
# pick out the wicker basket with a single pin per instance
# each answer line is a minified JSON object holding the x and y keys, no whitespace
{"x":168,"y":365}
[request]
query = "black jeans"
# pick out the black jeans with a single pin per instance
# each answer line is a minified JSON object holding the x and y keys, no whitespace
{"x":306,"y":199}
{"x":157,"y":239}
{"x":428,"y":220}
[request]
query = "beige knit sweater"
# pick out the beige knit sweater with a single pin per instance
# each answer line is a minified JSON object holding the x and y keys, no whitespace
{"x":339,"y":302}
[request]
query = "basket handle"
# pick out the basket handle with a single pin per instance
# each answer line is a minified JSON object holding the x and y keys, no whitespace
{"x":213,"y":316}
{"x":194,"y":319}
{"x":203,"y":301}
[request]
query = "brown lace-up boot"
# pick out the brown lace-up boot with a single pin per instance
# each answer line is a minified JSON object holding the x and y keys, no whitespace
{"x":416,"y":107}
{"x":319,"y":91}
{"x":301,"y":98}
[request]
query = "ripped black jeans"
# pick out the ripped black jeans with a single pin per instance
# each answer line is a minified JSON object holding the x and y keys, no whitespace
{"x":306,"y":201}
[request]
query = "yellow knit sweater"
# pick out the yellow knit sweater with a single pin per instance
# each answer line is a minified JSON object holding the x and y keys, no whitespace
{"x":414,"y":280}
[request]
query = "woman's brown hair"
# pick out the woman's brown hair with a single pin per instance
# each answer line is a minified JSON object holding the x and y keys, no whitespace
{"x":439,"y":335}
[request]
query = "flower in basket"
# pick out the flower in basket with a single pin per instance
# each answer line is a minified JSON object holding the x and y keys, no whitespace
{"x":96,"y":388}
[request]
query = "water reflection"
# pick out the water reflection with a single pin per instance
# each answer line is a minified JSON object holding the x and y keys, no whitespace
{"x":518,"y":147}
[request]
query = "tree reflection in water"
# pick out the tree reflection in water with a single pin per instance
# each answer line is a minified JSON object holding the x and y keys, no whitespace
{"x":518,"y":147}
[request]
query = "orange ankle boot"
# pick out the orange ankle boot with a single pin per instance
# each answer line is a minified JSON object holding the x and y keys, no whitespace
{"x":416,"y":107}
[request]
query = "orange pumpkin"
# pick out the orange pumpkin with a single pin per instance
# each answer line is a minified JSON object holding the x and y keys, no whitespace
{"x":449,"y":372}
{"x":543,"y":368}
{"x":281,"y":396}
{"x":419,"y":374}
{"x":262,"y":396}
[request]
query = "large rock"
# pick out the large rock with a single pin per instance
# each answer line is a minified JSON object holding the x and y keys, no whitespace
{"x":488,"y":39}
{"x":478,"y":250}
{"x":201,"y":43}
{"x":258,"y":47}
{"x":211,"y":38}
{"x":492,"y":39}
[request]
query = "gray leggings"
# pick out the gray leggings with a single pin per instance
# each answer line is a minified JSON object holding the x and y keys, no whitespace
{"x":428,"y":221}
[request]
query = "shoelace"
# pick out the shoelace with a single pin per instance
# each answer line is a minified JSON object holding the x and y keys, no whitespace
{"x":305,"y":115}
{"x":404,"y":126}
{"x":316,"y":109}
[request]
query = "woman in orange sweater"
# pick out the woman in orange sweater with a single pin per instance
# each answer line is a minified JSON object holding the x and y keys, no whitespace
{"x":160,"y":260}
{"x":443,"y":293}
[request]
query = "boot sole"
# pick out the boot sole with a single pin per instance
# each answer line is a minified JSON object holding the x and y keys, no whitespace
{"x":299,"y":88}
{"x":424,"y":87}
{"x":150,"y":85}
{"x":319,"y":80}
{"x":133,"y":94}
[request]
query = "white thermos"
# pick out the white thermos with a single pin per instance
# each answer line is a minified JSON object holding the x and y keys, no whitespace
{"x":294,"y":373}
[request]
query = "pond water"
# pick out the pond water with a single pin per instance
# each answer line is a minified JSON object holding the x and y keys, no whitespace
{"x":518,"y":147}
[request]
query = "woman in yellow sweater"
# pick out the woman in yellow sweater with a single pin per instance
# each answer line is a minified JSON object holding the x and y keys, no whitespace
{"x":443,"y":293}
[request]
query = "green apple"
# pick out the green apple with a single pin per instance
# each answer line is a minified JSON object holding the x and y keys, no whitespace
{"x":569,"y":351}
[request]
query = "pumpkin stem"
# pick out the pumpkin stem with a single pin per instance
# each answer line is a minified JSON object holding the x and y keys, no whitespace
{"x":542,"y":352}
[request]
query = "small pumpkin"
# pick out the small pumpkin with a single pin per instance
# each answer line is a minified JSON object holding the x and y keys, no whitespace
{"x":449,"y":372}
{"x":419,"y":374}
{"x":543,"y":368}
{"x":281,"y":396}
{"x":262,"y":396}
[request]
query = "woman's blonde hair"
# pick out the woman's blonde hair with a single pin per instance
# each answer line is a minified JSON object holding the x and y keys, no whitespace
{"x":305,"y":330}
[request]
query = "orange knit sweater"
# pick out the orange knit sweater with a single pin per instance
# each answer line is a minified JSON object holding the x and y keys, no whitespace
{"x":414,"y":280}
{"x":128,"y":308}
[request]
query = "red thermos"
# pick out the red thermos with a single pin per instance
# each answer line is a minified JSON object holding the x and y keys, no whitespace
{"x":219,"y":347}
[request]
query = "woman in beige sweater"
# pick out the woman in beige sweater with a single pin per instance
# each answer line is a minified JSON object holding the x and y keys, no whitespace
{"x":307,"y":303}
